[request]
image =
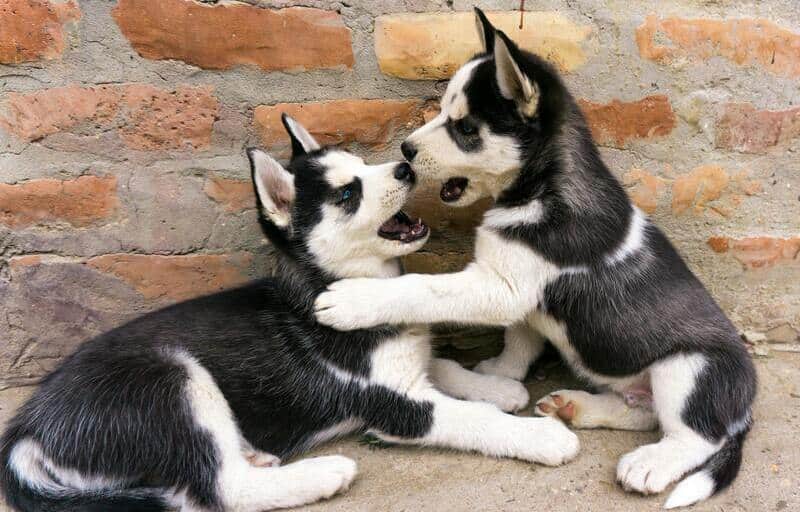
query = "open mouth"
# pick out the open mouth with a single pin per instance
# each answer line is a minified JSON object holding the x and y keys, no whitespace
{"x":401,"y":228}
{"x":453,"y":189}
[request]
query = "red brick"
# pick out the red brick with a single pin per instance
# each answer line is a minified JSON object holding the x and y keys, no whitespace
{"x":432,"y":46}
{"x":176,"y":277}
{"x":644,"y":189}
{"x":146,"y":117}
{"x":369,"y":122}
{"x":757,"y":252}
{"x":182,"y":118}
{"x":750,"y":42}
{"x":233,"y":195}
{"x":232,"y":34}
{"x":741,"y":127}
{"x":34,"y":29}
{"x":711,"y":188}
{"x":35,"y":115}
{"x":80,"y":202}
{"x":616,"y":123}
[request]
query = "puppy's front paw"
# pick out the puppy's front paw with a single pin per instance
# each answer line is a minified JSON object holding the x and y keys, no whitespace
{"x":546,"y":441}
{"x":495,"y":366}
{"x":507,"y":394}
{"x":350,"y":304}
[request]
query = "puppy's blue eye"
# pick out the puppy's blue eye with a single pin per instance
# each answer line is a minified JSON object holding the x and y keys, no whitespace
{"x":346,"y":194}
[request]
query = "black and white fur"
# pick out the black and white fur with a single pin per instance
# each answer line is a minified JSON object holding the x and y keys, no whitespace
{"x":194,"y":406}
{"x":564,"y":256}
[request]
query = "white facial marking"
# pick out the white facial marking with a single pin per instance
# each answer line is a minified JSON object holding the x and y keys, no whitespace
{"x":341,"y":167}
{"x":347,"y":244}
{"x":489,"y":169}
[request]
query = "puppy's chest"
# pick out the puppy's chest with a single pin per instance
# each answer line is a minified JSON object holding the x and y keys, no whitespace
{"x":401,"y":361}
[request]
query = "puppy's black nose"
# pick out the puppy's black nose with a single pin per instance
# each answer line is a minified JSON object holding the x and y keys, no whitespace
{"x":403,"y":172}
{"x":409,"y":150}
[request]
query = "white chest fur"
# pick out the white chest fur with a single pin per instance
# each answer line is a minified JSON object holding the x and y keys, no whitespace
{"x":402,"y":363}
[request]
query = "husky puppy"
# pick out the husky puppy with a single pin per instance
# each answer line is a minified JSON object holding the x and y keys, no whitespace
{"x":193,"y":406}
{"x":563,"y":255}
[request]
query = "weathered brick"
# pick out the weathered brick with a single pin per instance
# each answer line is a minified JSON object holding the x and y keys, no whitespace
{"x":52,"y":304}
{"x":231,"y":34}
{"x":167,"y":119}
{"x":711,"y":188}
{"x":176,"y":277}
{"x":35,"y":115}
{"x":740,"y":127}
{"x":616,"y":123}
{"x":144,"y":117}
{"x":757,"y":252}
{"x":433,"y":46}
{"x":80,"y":202}
{"x":644,"y":188}
{"x":233,"y":195}
{"x":34,"y":29}
{"x":369,"y":122}
{"x":745,"y":41}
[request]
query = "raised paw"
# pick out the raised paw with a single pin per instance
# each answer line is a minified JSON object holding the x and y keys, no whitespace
{"x":545,"y":441}
{"x":562,"y":404}
{"x":350,"y":304}
{"x":261,"y":459}
{"x":495,"y":366}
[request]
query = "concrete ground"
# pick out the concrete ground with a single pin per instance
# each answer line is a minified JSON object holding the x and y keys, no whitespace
{"x":408,"y":479}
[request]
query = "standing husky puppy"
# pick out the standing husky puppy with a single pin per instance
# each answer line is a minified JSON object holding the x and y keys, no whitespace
{"x":184,"y":406}
{"x":563,"y":255}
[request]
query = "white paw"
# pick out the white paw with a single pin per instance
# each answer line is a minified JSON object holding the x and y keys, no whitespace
{"x":507,"y":394}
{"x":563,"y":405}
{"x":651,"y":468}
{"x":494,"y":366}
{"x":544,"y":440}
{"x":351,"y":304}
{"x":328,"y":475}
{"x":261,"y":459}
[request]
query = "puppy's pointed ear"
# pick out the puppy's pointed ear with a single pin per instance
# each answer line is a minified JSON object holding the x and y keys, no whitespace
{"x":514,"y":84}
{"x":274,"y":187}
{"x":486,"y":30}
{"x":302,"y":141}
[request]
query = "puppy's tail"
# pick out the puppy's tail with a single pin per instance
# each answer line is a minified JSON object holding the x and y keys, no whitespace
{"x":29,"y":486}
{"x":714,"y":475}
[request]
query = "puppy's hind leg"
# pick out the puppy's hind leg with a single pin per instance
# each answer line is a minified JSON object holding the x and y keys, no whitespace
{"x":232,"y":482}
{"x":703,"y":406}
{"x":580,"y":409}
{"x":523,"y":345}
{"x":453,"y":379}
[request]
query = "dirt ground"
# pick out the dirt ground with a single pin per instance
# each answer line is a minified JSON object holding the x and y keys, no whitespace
{"x":408,"y":479}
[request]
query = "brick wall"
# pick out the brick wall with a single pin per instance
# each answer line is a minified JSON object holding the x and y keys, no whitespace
{"x":123,"y":181}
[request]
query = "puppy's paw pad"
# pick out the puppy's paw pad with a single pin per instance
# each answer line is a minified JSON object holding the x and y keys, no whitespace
{"x":559,"y":405}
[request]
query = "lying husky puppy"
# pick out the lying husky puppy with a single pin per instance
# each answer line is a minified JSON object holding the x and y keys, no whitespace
{"x":563,"y":255}
{"x":184,"y":406}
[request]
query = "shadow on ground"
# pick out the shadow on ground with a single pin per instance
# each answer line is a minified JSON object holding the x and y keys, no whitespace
{"x":410,"y":479}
